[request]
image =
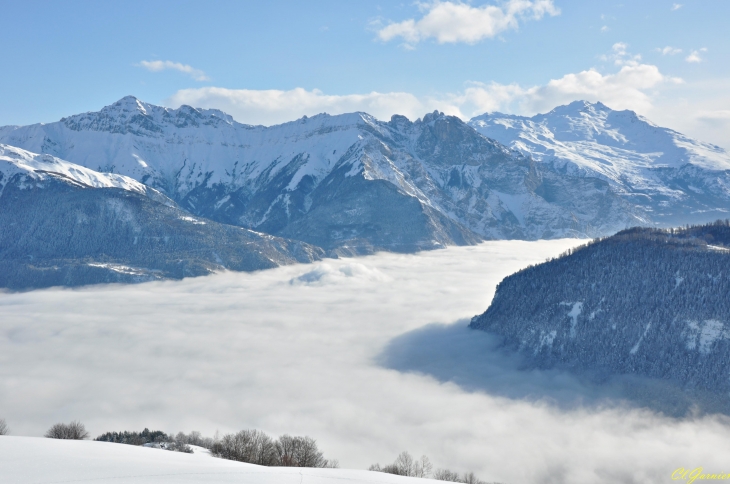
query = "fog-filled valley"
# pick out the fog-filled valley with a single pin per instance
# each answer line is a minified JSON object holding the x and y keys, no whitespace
{"x":370,"y":355}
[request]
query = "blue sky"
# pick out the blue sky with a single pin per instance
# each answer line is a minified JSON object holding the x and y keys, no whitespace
{"x":268,"y":62}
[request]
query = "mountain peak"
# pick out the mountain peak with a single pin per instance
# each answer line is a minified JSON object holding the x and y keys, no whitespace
{"x":128,"y":103}
{"x":127,"y":99}
{"x":577,"y":107}
{"x":431,"y":117}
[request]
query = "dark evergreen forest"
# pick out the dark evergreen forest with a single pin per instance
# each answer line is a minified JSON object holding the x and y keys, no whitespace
{"x":648,"y":302}
{"x":58,"y":232}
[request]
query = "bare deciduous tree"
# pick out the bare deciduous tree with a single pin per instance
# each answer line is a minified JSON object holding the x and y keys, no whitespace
{"x":252,"y":446}
{"x":451,"y":476}
{"x":446,"y":475}
{"x":406,"y":465}
{"x":72,"y":431}
{"x":194,"y":438}
{"x":3,"y":427}
{"x":470,"y":478}
{"x":423,"y":467}
{"x":299,"y":452}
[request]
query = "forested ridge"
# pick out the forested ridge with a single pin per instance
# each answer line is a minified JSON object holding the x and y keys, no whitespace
{"x":646,"y":302}
{"x":56,"y":232}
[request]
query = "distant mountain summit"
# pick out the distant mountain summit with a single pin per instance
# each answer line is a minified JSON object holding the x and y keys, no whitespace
{"x":667,"y":178}
{"x":348,"y":183}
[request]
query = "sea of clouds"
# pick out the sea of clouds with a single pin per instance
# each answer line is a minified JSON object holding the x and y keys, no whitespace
{"x":370,"y":356}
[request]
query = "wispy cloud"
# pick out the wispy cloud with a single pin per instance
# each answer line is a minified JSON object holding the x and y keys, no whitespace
{"x":694,"y":56}
{"x":620,"y":55}
{"x":158,"y":66}
{"x":669,"y":50}
{"x":453,"y":22}
{"x":676,"y":6}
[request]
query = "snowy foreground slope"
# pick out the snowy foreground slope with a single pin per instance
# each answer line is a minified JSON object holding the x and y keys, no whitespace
{"x":26,"y":460}
{"x":63,"y":224}
{"x":349,"y":183}
{"x":666,"y":177}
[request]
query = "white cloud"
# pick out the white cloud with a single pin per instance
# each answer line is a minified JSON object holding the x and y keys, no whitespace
{"x":635,"y":85}
{"x":622,"y":90}
{"x":275,"y":106}
{"x":717,"y":119}
{"x":697,"y":108}
{"x":158,"y":66}
{"x":669,"y":50}
{"x":676,"y":6}
{"x":605,"y":28}
{"x":626,"y":89}
{"x":452,"y":22}
{"x":234,"y":351}
{"x":694,"y":56}
{"x":629,"y":88}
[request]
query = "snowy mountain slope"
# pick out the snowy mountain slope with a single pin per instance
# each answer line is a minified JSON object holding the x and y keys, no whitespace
{"x":38,"y":460}
{"x":349,"y":183}
{"x":36,"y":169}
{"x":667,"y":177}
{"x":64,"y":224}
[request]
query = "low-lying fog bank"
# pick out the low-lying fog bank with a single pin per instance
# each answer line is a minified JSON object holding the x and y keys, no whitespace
{"x":300,"y":350}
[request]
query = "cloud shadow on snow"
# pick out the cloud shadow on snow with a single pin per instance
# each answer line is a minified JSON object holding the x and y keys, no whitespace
{"x":475,"y":361}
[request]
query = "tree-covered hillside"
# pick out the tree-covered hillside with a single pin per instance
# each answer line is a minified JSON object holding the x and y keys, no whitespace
{"x":647,"y":302}
{"x":58,"y":232}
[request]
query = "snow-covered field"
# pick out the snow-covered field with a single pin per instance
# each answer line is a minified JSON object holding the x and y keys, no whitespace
{"x":27,"y":460}
{"x":314,"y":350}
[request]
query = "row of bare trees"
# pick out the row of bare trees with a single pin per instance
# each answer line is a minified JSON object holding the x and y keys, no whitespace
{"x":406,"y":465}
{"x":3,"y":427}
{"x":256,"y":447}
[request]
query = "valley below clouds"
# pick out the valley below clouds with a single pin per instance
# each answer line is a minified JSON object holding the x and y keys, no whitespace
{"x":370,"y":355}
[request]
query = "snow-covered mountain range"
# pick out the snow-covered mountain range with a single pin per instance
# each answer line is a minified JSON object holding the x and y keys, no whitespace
{"x":667,"y":178}
{"x":64,"y":224}
{"x":349,"y":183}
{"x":353,"y":184}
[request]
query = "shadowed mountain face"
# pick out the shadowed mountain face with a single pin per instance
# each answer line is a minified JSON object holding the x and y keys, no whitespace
{"x":666,"y":178}
{"x":67,"y":225}
{"x":349,"y":183}
{"x":644,"y":302}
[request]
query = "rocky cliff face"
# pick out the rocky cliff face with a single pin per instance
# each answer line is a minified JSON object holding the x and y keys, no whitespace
{"x":64,"y":224}
{"x":643,"y":302}
{"x":349,"y":183}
